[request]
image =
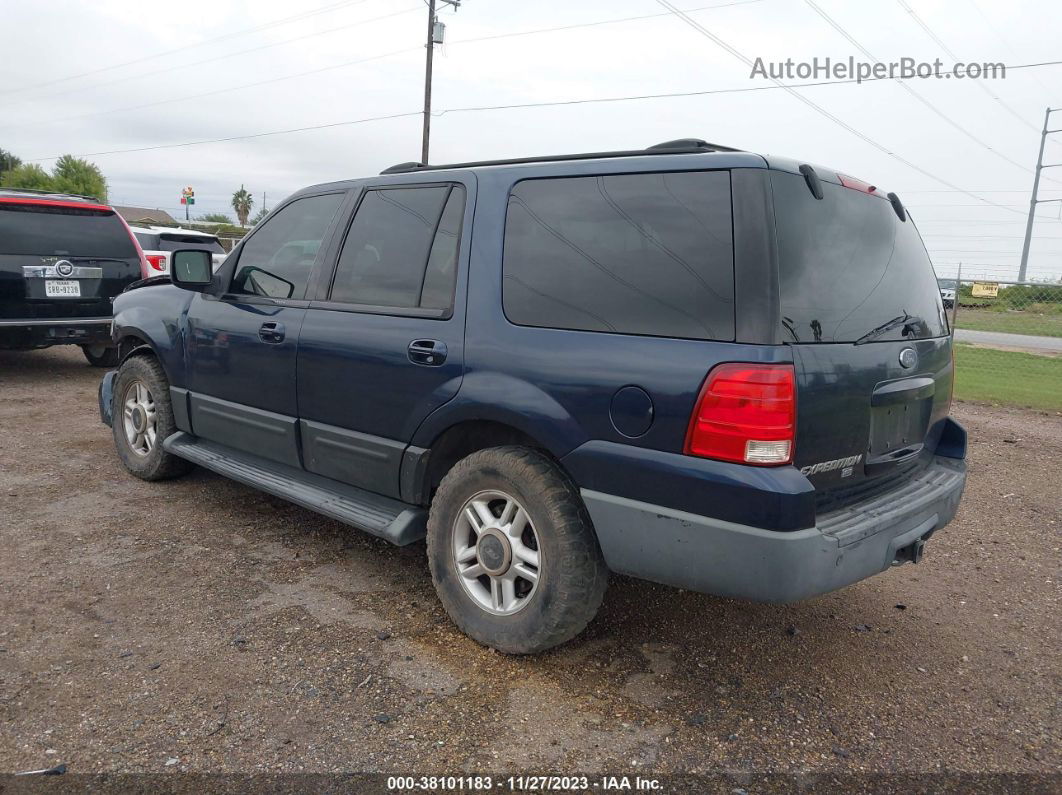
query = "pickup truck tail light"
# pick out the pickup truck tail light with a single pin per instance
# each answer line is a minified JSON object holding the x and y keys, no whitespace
{"x":745,"y":413}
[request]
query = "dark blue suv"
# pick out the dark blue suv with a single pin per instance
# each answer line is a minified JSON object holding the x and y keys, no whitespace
{"x":700,"y":366}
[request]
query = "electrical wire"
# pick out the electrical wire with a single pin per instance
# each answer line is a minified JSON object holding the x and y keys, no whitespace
{"x":186,"y":47}
{"x":344,"y":64}
{"x":485,"y":108}
{"x":979,"y":83}
{"x":821,"y":110}
{"x":223,"y":56}
{"x":910,"y":90}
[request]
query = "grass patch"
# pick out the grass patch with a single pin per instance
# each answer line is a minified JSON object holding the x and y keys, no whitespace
{"x":1018,"y":379}
{"x":1041,"y":324}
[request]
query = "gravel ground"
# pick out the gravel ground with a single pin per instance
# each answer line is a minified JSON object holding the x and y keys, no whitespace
{"x":198,"y":625}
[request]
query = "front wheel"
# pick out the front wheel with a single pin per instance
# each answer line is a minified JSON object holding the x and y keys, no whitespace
{"x":512,"y":551}
{"x":100,"y":355}
{"x":142,"y":419}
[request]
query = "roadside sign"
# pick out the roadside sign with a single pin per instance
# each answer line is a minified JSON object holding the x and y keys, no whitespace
{"x":985,"y":290}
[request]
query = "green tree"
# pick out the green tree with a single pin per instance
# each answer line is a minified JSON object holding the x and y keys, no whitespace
{"x":8,"y":161}
{"x":27,"y":175}
{"x":74,"y":175}
{"x":258,"y":216}
{"x":70,"y":175}
{"x":242,"y":203}
{"x":215,"y":218}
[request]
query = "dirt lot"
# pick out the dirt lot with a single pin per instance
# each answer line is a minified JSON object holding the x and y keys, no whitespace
{"x":198,"y":625}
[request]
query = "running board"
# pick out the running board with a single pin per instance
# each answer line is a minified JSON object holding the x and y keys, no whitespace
{"x":392,"y":520}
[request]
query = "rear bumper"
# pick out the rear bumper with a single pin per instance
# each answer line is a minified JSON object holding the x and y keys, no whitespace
{"x":41,"y":332}
{"x":713,"y":556}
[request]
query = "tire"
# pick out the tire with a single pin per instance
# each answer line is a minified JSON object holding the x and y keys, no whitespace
{"x":100,"y":355}
{"x":570,"y":575}
{"x":140,"y":377}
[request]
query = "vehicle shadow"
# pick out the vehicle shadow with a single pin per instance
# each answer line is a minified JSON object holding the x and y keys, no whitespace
{"x":36,"y":366}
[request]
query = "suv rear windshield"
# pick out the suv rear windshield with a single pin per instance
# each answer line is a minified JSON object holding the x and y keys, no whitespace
{"x":848,"y":264}
{"x":41,"y":230}
{"x":168,"y":242}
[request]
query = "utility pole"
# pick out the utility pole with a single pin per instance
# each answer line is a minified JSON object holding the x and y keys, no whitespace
{"x":1035,"y":192}
{"x":435,"y":36}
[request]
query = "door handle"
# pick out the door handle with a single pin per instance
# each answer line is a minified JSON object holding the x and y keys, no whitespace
{"x":428,"y":352}
{"x":271,"y":332}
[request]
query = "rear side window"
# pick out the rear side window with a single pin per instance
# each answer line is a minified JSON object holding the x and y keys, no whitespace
{"x":632,"y":254}
{"x":401,"y":250}
{"x":276,"y":261}
{"x":848,"y":264}
{"x":45,"y":231}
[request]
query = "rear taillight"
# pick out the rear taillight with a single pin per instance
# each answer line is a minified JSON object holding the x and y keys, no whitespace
{"x":156,"y":261}
{"x":745,"y":413}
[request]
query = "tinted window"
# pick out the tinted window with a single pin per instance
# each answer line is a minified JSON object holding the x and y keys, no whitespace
{"x":65,"y":232}
{"x":634,"y":254}
{"x":848,"y":264}
{"x":441,"y":273}
{"x":277,"y":259}
{"x":148,"y":242}
{"x":401,"y":249}
{"x":169,"y":242}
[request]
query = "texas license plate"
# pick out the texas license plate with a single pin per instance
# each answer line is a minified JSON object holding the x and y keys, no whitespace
{"x":62,"y":288}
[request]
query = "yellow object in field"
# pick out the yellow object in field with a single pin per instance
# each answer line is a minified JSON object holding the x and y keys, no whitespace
{"x":985,"y":290}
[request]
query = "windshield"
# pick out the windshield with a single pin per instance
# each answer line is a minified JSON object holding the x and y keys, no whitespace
{"x":848,"y":265}
{"x":48,"y":231}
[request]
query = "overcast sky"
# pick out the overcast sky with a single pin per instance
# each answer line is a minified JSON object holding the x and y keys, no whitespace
{"x":195,"y":61}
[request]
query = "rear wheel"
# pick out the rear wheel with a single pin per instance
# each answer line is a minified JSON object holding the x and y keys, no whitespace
{"x":100,"y":355}
{"x":142,"y":419}
{"x":512,"y":551}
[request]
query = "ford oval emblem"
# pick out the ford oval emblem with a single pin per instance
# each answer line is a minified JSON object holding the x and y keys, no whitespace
{"x":908,"y":358}
{"x":64,"y":267}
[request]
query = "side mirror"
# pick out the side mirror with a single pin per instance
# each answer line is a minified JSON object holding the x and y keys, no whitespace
{"x":191,"y":269}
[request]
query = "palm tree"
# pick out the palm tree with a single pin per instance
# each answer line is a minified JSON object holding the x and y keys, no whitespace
{"x":242,"y":202}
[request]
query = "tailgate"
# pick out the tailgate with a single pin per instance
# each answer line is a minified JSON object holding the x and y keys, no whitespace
{"x":864,"y":420}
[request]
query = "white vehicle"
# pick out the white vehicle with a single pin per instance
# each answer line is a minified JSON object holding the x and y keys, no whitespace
{"x":947,"y":295}
{"x":158,"y":241}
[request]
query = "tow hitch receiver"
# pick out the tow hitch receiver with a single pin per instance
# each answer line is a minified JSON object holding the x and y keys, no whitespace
{"x":912,"y":553}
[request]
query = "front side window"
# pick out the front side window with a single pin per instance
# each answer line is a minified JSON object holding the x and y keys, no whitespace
{"x":645,"y":254}
{"x":401,"y":250}
{"x":277,"y":260}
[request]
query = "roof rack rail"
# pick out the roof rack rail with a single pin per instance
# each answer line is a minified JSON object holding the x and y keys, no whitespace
{"x":679,"y":146}
{"x":38,"y":192}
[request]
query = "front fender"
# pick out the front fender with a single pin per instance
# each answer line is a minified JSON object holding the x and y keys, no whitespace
{"x":511,"y":401}
{"x":154,"y":315}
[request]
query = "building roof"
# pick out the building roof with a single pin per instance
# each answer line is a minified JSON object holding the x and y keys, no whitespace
{"x":144,"y":216}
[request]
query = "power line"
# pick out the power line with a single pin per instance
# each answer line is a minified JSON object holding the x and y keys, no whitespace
{"x":215,"y":92}
{"x":480,"y":108}
{"x":819,"y":109}
{"x":979,"y":83}
{"x":419,"y":48}
{"x":223,"y":56}
{"x":910,"y":90}
{"x":186,"y":47}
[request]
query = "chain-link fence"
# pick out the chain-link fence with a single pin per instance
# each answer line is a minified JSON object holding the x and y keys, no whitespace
{"x":1008,"y":337}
